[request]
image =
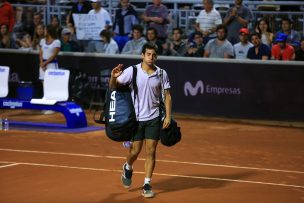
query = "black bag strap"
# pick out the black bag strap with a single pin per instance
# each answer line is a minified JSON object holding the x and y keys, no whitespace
{"x":134,"y":84}
{"x":135,"y":87}
{"x":162,"y":84}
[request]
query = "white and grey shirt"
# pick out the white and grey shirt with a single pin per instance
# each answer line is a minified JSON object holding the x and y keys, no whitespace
{"x":149,"y":90}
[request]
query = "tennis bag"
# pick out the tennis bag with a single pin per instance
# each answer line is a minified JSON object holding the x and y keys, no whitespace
{"x":119,"y":114}
{"x":171,"y":135}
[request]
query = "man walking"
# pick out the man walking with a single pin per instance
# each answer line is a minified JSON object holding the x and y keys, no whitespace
{"x":150,"y":81}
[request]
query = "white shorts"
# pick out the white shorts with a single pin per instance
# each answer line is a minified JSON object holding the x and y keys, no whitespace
{"x":48,"y":66}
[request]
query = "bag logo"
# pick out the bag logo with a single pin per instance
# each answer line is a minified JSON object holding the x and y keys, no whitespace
{"x":112,"y":107}
{"x":193,"y":91}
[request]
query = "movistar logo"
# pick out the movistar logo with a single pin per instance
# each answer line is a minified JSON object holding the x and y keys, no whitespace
{"x":194,"y":90}
{"x":200,"y":88}
{"x":112,"y":107}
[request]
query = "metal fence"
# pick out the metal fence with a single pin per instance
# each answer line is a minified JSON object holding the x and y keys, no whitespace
{"x":183,"y":14}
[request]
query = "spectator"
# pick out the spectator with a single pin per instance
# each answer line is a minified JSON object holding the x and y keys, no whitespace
{"x":109,"y":44}
{"x":67,"y":44}
{"x":259,"y":50}
{"x":157,"y":16}
{"x":19,"y":28}
{"x":264,"y":29}
{"x":135,"y":45}
{"x":176,"y":46}
{"x":38,"y":36}
{"x":207,"y":20}
{"x":125,"y":18}
{"x":236,"y":18}
{"x":7,"y":16}
{"x":219,"y":47}
{"x":151,"y":37}
{"x":196,"y":49}
{"x":106,"y":22}
{"x":55,"y":22}
{"x":79,"y":7}
{"x":26,"y":42}
{"x":300,"y":51}
{"x":36,"y":21}
{"x":293,"y":36}
{"x":6,"y":39}
{"x":281,"y":50}
{"x":241,"y":48}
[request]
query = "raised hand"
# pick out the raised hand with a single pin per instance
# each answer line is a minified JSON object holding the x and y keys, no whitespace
{"x":117,"y":71}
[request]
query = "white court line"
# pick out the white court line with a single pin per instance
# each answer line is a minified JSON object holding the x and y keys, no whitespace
{"x":159,"y":160}
{"x":9,"y":165}
{"x":158,"y":174}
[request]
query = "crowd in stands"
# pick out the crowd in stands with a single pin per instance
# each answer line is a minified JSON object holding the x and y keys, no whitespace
{"x":212,"y":36}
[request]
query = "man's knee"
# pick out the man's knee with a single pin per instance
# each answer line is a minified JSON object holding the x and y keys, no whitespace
{"x":150,"y":151}
{"x":135,"y":150}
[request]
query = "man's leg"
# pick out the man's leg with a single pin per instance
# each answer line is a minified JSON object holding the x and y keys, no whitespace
{"x":134,"y":152}
{"x":126,"y":177}
{"x":150,"y":157}
{"x":149,"y":167}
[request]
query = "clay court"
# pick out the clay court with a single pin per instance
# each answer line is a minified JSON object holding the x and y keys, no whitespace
{"x":216,"y":161}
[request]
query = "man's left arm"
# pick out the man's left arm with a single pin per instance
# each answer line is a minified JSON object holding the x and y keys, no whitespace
{"x":168,"y":106}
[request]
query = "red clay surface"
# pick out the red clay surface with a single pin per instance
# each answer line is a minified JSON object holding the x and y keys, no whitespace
{"x":214,"y":162}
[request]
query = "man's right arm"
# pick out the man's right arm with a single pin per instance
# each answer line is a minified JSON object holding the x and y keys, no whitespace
{"x":113,"y":84}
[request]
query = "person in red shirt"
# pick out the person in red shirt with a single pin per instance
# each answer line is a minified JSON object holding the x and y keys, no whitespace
{"x":281,"y":50}
{"x":7,"y":15}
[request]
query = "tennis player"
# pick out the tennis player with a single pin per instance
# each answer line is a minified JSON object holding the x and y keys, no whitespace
{"x":147,"y":110}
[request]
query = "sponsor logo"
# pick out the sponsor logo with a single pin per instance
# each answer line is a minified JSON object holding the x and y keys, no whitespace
{"x":77,"y":111}
{"x":12,"y":104}
{"x":2,"y":70}
{"x":56,"y":73}
{"x":200,"y":88}
{"x":112,"y":107}
{"x":193,"y":91}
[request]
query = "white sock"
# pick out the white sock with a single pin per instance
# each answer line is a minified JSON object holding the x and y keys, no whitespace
{"x":147,"y":181}
{"x":128,"y":166}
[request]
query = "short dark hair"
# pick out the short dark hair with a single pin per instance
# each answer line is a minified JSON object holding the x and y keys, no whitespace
{"x":256,"y":34}
{"x":148,"y":46}
{"x":180,"y":30}
{"x":197,"y":33}
{"x":138,"y":28}
{"x":221,"y":26}
{"x":210,"y":1}
{"x":153,"y":29}
{"x":286,"y":19}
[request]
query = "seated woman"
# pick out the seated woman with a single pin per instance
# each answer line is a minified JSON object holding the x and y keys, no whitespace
{"x":6,"y":39}
{"x":263,"y":28}
{"x":109,"y":44}
{"x":38,"y":36}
